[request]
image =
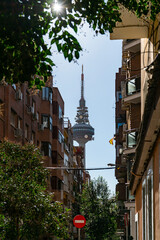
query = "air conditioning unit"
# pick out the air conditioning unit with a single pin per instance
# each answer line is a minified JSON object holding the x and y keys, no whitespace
{"x":18,"y":132}
{"x":18,"y":95}
{"x":41,"y":127}
{"x":30,"y":110}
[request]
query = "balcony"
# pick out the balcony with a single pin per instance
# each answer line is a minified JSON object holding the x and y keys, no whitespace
{"x":131,"y":91}
{"x":131,"y":141}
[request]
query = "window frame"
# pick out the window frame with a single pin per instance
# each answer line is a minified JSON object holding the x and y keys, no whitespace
{"x":147,"y":203}
{"x":13,"y":118}
{"x":49,"y":121}
{"x":46,"y":148}
{"x":60,"y":137}
{"x":47,"y":94}
{"x":26,"y":132}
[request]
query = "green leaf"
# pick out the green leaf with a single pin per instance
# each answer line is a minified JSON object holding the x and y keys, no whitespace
{"x":59,"y":47}
{"x":77,"y":54}
{"x":75,"y":28}
{"x":70,"y":57}
{"x":49,"y":61}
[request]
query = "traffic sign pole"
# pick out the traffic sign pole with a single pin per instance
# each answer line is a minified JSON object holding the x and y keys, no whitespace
{"x":79,"y":234}
{"x":79,"y":222}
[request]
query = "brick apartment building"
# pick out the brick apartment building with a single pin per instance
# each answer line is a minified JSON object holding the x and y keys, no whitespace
{"x":37,"y":118}
{"x":128,"y":115}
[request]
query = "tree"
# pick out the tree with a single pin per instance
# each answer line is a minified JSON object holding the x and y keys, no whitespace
{"x":26,"y":208}
{"x":23,"y":52}
{"x":24,"y":23}
{"x":99,"y":209}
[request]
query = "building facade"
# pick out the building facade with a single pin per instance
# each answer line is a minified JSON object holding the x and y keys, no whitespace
{"x":37,"y":117}
{"x":143,"y":175}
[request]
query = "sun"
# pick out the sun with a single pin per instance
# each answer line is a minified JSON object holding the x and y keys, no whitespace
{"x":57,"y":7}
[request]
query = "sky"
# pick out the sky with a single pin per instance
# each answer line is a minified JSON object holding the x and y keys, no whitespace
{"x":101,"y":59}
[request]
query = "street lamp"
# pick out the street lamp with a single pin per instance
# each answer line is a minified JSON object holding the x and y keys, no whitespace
{"x":118,"y":166}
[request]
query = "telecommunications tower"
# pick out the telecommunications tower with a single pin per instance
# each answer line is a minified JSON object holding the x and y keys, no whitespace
{"x":82,"y":130}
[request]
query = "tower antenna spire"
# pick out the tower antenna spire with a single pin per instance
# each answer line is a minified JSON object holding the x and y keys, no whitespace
{"x":82,"y":101}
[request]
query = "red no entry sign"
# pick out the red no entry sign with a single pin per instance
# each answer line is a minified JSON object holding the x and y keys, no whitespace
{"x":79,"y":221}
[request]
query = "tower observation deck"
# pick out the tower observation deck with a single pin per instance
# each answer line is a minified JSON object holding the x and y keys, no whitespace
{"x":82,"y":130}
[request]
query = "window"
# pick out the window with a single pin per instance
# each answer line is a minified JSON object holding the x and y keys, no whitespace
{"x":47,"y":94}
{"x":133,"y":86}
{"x":34,"y":106}
{"x":66,"y":163}
{"x":13,"y":118}
{"x":56,"y":183}
{"x":46,"y":149}
{"x":60,"y":114}
{"x":33,"y":137}
{"x":60,"y":137}
{"x":19,"y":122}
{"x":131,"y":139}
{"x":50,"y":123}
{"x":147,"y":204}
{"x":26,"y":131}
{"x":144,"y":209}
{"x":150,"y":210}
{"x":37,"y":116}
{"x":50,"y":96}
{"x":47,"y":121}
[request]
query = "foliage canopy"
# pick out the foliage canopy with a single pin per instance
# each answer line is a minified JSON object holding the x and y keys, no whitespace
{"x":24,"y":53}
{"x":99,"y":209}
{"x":26,"y":208}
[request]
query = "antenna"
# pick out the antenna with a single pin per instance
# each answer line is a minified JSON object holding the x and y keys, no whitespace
{"x":82,"y":84}
{"x":82,"y":101}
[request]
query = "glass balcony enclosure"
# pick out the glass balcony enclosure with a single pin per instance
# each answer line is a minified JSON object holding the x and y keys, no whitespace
{"x":132,"y":139}
{"x":131,"y":86}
